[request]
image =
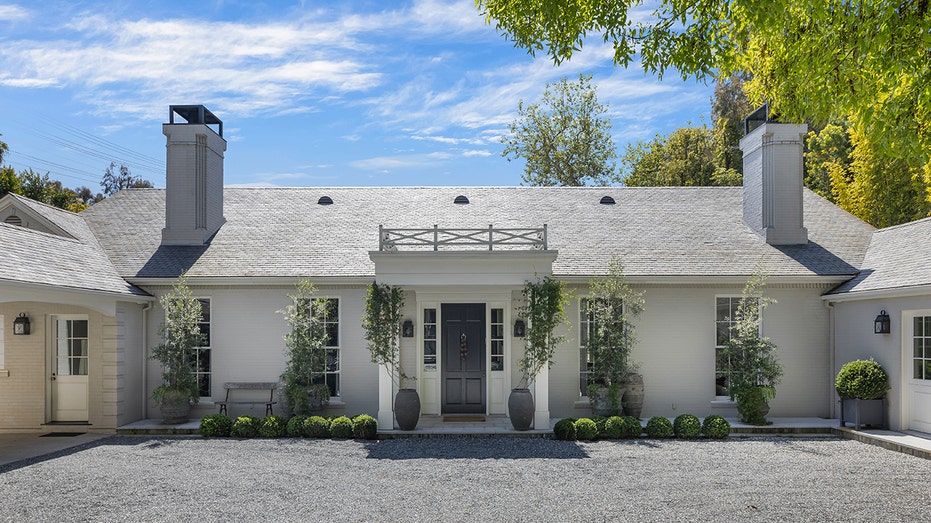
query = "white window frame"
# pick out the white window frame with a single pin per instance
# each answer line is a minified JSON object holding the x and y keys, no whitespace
{"x":730,"y":321}
{"x":337,"y":348}
{"x":208,"y":347}
{"x":584,"y":332}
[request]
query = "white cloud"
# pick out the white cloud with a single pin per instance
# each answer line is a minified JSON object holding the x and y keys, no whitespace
{"x":390,"y":163}
{"x":13,"y":13}
{"x":476,"y":152}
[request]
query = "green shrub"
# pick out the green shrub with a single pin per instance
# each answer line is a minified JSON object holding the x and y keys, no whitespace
{"x":317,"y":427}
{"x":246,"y":427}
{"x":716,"y":427}
{"x":601,"y":423}
{"x":565,"y":429}
{"x":686,"y":426}
{"x":614,"y":427}
{"x":630,"y":427}
{"x":586,"y":429}
{"x":273,"y":427}
{"x":215,"y":426}
{"x":296,"y":426}
{"x":364,"y":427}
{"x":862,"y":379}
{"x":341,"y":428}
{"x":659,"y":427}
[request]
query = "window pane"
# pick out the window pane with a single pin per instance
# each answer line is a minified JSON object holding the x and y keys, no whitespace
{"x":497,"y":315}
{"x":497,"y":331}
{"x":429,"y":347}
{"x":429,"y":332}
{"x":204,"y":310}
{"x":429,"y":315}
{"x":919,"y":367}
{"x":79,"y":328}
{"x":927,"y":326}
{"x":203,"y":361}
{"x":332,"y":360}
{"x":723,"y":333}
{"x":919,"y":342}
{"x":917,"y":326}
{"x":927,"y":370}
{"x":332,"y":335}
{"x":723,"y":309}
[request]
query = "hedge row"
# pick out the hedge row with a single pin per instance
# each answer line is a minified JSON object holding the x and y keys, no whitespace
{"x":685,"y":426}
{"x":362,"y":426}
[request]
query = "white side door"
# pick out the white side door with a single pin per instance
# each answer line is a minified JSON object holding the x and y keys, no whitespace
{"x":70,"y":362}
{"x":918,"y":374}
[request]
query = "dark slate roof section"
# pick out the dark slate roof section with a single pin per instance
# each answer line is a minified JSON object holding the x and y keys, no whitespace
{"x":658,"y":231}
{"x":897,"y":258}
{"x":34,"y":257}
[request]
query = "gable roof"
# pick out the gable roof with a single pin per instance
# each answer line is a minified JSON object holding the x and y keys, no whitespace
{"x":897,"y":258}
{"x":657,"y":231}
{"x":71,"y":260}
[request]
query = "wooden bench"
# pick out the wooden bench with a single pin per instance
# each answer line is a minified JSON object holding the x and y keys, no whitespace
{"x":231,"y":386}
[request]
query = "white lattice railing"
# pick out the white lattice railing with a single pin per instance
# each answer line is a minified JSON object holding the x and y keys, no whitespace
{"x":435,"y":238}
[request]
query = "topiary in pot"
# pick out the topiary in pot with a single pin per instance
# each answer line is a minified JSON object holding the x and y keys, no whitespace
{"x":716,"y":427}
{"x":659,"y":427}
{"x":295,"y":427}
{"x":862,"y":379}
{"x":246,"y":427}
{"x":364,"y":427}
{"x":686,"y":426}
{"x":317,"y":427}
{"x":215,"y":426}
{"x":565,"y":429}
{"x":614,"y":427}
{"x":585,"y":429}
{"x":306,"y":348}
{"x":273,"y":427}
{"x":341,"y":428}
{"x":630,"y":427}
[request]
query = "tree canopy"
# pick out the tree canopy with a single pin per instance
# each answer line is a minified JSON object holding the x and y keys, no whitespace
{"x":565,"y":139}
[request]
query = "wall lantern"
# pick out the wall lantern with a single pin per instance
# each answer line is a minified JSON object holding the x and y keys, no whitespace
{"x":407,"y":329}
{"x":519,"y":329}
{"x":21,"y":324}
{"x":882,"y":325}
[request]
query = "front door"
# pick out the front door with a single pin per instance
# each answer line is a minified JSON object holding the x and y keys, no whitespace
{"x":918,"y":374}
{"x":69,"y":367}
{"x":463,"y":358}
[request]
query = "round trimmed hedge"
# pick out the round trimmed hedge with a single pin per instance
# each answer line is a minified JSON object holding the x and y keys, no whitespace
{"x":630,"y":427}
{"x":317,"y":427}
{"x":273,"y":427}
{"x":246,"y":427}
{"x":295,"y":428}
{"x":564,"y":429}
{"x":686,"y":426}
{"x":614,"y":427}
{"x":215,"y":426}
{"x":862,"y":379}
{"x":364,"y":427}
{"x":659,"y":427}
{"x":341,"y":428}
{"x":586,"y":429}
{"x":716,"y":427}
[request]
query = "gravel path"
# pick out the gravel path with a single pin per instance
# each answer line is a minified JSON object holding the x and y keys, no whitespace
{"x":493,"y":479}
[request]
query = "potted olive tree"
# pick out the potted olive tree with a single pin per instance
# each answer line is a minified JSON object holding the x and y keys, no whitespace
{"x":382,"y":326}
{"x":754,"y":369}
{"x":544,"y":309}
{"x":180,"y":333}
{"x":862,"y":385}
{"x":612,"y":306}
{"x":304,"y":378}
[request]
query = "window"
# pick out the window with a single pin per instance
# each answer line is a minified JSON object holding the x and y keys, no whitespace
{"x":200,"y":356}
{"x":329,"y":317}
{"x":71,"y":348}
{"x":586,"y":317}
{"x":921,"y":356}
{"x":725,"y":318}
{"x":429,"y":339}
{"x":497,"y":339}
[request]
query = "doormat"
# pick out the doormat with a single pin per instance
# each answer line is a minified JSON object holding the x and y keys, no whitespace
{"x":61,"y":434}
{"x":473,"y":418}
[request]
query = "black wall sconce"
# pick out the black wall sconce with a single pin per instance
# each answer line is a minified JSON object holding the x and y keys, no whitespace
{"x":882,"y":324}
{"x":520,"y":329}
{"x":407,"y":329}
{"x":21,"y":324}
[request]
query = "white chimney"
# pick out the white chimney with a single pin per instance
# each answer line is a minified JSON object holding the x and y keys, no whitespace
{"x":773,"y":179}
{"x":194,"y":176}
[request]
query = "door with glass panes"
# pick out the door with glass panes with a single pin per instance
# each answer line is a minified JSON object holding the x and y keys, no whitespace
{"x":69,"y":366}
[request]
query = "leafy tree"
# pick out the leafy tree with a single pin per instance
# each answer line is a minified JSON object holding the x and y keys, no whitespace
{"x":729,"y":107}
{"x":684,"y":158}
{"x":114,"y":180}
{"x":305,"y":344}
{"x":180,"y":333}
{"x":4,"y":148}
{"x":565,"y":139}
{"x":828,"y":150}
{"x":10,"y":182}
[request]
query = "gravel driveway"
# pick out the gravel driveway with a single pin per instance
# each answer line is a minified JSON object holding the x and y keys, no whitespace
{"x":491,"y":479}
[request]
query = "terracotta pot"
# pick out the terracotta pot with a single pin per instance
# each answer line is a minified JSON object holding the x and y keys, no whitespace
{"x":407,"y":408}
{"x":520,"y":409}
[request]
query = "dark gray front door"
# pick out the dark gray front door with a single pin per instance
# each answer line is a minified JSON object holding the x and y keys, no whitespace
{"x":463,"y":358}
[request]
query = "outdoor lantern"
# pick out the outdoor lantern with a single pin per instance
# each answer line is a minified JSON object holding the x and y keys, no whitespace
{"x":407,"y":329}
{"x":519,"y":329}
{"x":882,"y":325}
{"x":21,"y":324}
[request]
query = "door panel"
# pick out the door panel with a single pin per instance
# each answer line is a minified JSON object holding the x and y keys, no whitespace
{"x":70,"y":363}
{"x":463,"y":346}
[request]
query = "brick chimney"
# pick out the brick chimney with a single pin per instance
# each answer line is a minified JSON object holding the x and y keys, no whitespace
{"x":194,"y":176}
{"x":773,"y":179}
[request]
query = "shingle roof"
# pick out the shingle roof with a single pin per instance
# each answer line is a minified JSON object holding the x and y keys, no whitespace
{"x":30,"y":256}
{"x":897,"y":258}
{"x":659,"y":231}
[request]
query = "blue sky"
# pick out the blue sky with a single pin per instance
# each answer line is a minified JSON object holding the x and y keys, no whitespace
{"x":343,"y":93}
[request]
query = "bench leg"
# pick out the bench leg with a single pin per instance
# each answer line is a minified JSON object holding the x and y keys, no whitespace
{"x":222,"y":408}
{"x":268,"y":409}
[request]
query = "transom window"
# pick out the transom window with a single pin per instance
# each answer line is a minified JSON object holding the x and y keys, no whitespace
{"x":921,"y":355}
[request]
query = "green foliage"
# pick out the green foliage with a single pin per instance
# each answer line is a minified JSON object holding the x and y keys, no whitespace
{"x":565,"y":139}
{"x":751,"y":401}
{"x":585,"y":429}
{"x":246,"y":427}
{"x":828,"y":151}
{"x":341,"y":428}
{"x":116,"y":179}
{"x":295,"y":427}
{"x":382,"y":326}
{"x":600,"y":422}
{"x":565,"y":429}
{"x":365,"y":427}
{"x":273,"y":427}
{"x":716,"y":427}
{"x":215,"y":426}
{"x":686,"y":426}
{"x":729,"y":107}
{"x":630,"y":427}
{"x":316,"y":427}
{"x":305,"y":346}
{"x":614,"y":428}
{"x":37,"y":186}
{"x":180,"y":333}
{"x":659,"y":427}
{"x":684,"y":158}
{"x":544,"y":308}
{"x":862,"y":379}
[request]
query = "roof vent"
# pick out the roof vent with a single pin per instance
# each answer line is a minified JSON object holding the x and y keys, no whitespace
{"x":461,"y":200}
{"x":13,"y":220}
{"x":325,"y":200}
{"x":607,"y":200}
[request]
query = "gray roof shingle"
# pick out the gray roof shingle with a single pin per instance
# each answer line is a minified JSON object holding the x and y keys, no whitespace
{"x":657,"y":231}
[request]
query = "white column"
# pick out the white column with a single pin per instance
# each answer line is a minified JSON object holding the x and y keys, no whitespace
{"x":541,"y":400}
{"x":385,"y":399}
